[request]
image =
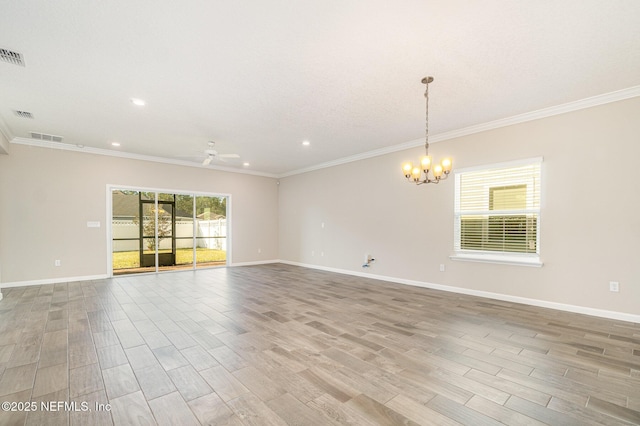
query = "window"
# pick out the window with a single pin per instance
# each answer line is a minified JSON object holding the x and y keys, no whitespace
{"x":497,"y":213}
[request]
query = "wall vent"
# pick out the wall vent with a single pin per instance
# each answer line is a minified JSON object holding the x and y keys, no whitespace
{"x":45,"y":137}
{"x":23,"y":114}
{"x":12,"y":57}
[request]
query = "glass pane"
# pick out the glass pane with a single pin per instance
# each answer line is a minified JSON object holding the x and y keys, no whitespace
{"x":471,"y":232}
{"x":210,"y":252}
{"x":512,"y":197}
{"x":165,"y":231}
{"x":515,"y":233}
{"x":512,"y":188}
{"x":166,"y":243}
{"x":148,"y":196}
{"x":184,"y":206}
{"x":149,"y":245}
{"x":148,"y":228}
{"x":184,"y":229}
{"x":148,"y":220}
{"x":211,"y":229}
{"x":148,"y":257}
{"x":165,"y":224}
{"x":125,"y":231}
{"x":165,"y":197}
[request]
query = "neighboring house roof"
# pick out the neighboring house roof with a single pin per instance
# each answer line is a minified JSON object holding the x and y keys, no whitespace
{"x":125,"y":205}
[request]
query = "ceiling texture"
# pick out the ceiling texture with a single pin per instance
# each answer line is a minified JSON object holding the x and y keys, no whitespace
{"x":261,"y":77}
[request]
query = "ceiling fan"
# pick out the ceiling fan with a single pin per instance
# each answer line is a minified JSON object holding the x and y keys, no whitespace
{"x":212,"y":154}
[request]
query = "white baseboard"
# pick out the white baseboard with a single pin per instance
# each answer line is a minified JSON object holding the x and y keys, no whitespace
{"x":53,"y":281}
{"x":622,"y":316}
{"x":259,"y":262}
{"x":104,"y":276}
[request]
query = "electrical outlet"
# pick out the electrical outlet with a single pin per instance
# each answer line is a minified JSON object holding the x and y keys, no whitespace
{"x":442,"y":267}
{"x":259,"y":250}
{"x":614,"y":286}
{"x":57,"y":262}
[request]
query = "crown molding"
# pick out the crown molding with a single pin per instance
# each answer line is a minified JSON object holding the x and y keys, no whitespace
{"x":593,"y":101}
{"x":619,"y":95}
{"x":131,"y":156}
{"x":357,"y":157}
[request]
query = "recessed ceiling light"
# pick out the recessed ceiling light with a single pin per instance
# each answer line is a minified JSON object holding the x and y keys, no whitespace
{"x":115,"y":143}
{"x":246,"y":164}
{"x":138,"y":102}
{"x":306,"y":143}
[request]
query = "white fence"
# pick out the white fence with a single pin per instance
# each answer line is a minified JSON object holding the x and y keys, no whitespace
{"x":209,"y":234}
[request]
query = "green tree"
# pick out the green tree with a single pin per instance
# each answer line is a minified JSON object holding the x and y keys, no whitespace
{"x":184,"y":205}
{"x":149,"y":225}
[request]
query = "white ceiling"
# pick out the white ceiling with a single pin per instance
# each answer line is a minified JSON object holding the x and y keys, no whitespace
{"x":259,"y":77}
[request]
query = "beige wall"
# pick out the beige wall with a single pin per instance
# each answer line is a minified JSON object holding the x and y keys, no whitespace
{"x":589,"y":219}
{"x":590,"y":231}
{"x":48,"y":195}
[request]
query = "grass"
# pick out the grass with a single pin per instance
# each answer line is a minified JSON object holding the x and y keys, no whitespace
{"x":131,"y":259}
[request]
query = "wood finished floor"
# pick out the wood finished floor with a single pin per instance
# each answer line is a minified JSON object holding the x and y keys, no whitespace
{"x":278,"y":344}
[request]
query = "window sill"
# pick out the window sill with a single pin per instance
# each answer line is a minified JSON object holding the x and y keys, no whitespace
{"x":499,"y":259}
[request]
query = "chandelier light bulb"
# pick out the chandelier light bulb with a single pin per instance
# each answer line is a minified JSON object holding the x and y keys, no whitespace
{"x":415,"y":174}
{"x":426,"y":163}
{"x":406,"y":169}
{"x":446,"y":165}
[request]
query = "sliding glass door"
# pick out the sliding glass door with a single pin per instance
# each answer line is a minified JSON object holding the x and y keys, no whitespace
{"x":155,"y":231}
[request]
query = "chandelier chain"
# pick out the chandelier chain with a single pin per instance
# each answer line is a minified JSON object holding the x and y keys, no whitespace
{"x":426,"y":136}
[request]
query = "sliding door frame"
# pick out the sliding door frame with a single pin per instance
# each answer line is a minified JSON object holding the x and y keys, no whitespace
{"x":194,"y":194}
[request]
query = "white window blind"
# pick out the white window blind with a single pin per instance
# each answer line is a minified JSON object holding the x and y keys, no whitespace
{"x":497,"y":210}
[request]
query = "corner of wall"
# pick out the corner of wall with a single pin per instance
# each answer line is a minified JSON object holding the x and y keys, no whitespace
{"x":4,"y":138}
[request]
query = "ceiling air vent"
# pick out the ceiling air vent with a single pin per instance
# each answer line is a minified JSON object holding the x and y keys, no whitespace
{"x":14,"y":58}
{"x":45,"y":137}
{"x":23,"y":114}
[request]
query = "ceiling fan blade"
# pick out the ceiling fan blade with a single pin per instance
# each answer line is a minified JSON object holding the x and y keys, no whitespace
{"x":207,"y":161}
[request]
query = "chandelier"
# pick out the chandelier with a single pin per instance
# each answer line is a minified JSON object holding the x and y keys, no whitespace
{"x":420,"y":174}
